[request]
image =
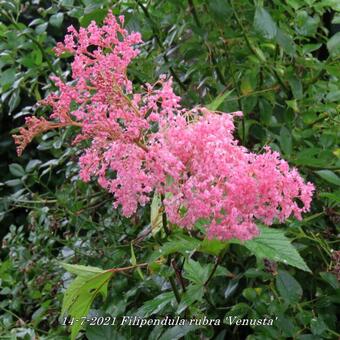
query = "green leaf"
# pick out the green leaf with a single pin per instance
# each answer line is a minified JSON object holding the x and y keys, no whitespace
{"x":32,"y":164}
{"x":213,"y":247}
{"x":264,"y":24}
{"x":155,"y":305}
{"x":296,"y":86}
{"x":41,"y":28}
{"x":177,"y":244}
{"x":14,"y":101}
{"x":102,"y":333}
{"x":56,"y":19}
{"x":318,"y":326}
{"x":7,"y":77}
{"x":81,"y":270}
{"x":274,"y":245}
{"x":156,"y":214}
{"x":97,"y":15}
{"x":16,"y":170}
{"x":331,"y":279}
{"x":220,"y":9}
{"x":305,"y":24}
{"x":178,"y":332}
{"x":329,"y":176}
{"x":195,"y":272}
{"x":193,"y":293}
{"x":218,"y":101}
{"x":288,"y":287}
{"x":333,"y":45}
{"x":285,"y":141}
{"x":133,"y":261}
{"x":80,"y":294}
{"x":286,"y":42}
{"x":332,"y":196}
{"x":239,"y":310}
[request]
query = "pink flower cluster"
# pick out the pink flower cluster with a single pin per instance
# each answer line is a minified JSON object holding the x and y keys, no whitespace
{"x":143,"y":141}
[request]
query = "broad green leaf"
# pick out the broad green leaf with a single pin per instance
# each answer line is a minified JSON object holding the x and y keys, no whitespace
{"x":81,"y":270}
{"x":7,"y":77}
{"x":250,"y":294}
{"x":32,"y":164}
{"x":220,"y":9}
{"x":16,"y":170}
{"x":195,"y":272}
{"x":14,"y":101}
{"x":305,"y":24}
{"x":56,"y":19}
{"x":183,"y":244}
{"x":333,"y":44}
{"x":103,"y":333}
{"x":318,"y":326}
{"x":331,"y":279}
{"x":156,"y":214}
{"x":286,"y":42}
{"x":285,"y":141}
{"x":97,"y":15}
{"x":329,"y":176}
{"x":178,"y":332}
{"x":213,"y":247}
{"x":79,"y":296}
{"x":240,"y":310}
{"x":293,"y":105}
{"x":264,"y":23}
{"x":296,"y":86}
{"x":155,"y":305}
{"x":274,"y":245}
{"x":288,"y":287}
{"x":333,"y":5}
{"x":218,"y":101}
{"x":193,"y":293}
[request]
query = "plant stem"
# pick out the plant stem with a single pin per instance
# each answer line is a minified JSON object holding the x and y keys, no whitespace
{"x":219,"y":259}
{"x":169,"y":259}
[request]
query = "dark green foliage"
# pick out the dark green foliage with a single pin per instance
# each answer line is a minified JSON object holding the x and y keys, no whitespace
{"x":278,"y":62}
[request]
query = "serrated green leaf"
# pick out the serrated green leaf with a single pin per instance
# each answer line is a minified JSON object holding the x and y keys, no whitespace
{"x":79,"y":296}
{"x":195,"y":272}
{"x":213,"y":247}
{"x":288,"y":287}
{"x":274,"y":245}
